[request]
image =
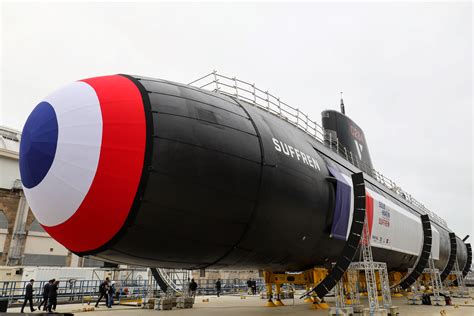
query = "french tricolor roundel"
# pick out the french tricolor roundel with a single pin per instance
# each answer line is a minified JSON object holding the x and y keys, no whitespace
{"x":81,"y":159}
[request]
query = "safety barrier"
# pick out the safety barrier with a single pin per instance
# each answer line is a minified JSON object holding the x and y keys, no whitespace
{"x":85,"y":291}
{"x":72,"y":291}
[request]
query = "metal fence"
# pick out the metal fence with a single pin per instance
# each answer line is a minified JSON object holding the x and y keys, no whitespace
{"x":228,"y":286}
{"x":262,"y":99}
{"x":74,"y":290}
{"x":85,"y":291}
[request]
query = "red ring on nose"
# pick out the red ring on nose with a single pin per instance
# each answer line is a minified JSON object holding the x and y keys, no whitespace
{"x":107,"y":204}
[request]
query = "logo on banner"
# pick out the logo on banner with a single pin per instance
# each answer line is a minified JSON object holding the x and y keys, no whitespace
{"x":384,"y":220}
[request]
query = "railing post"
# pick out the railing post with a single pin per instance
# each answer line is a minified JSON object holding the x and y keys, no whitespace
{"x":254,"y":94}
{"x":235,"y":86}
{"x":215,"y":80}
{"x":268,"y":100}
{"x":297,"y":117}
{"x":279,"y":106}
{"x":81,"y":291}
{"x":330,"y":141}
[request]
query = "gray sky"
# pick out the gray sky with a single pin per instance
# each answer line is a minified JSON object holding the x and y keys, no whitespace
{"x":405,"y":69}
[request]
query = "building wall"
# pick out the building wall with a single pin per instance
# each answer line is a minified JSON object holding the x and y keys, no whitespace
{"x":9,"y":172}
{"x":41,"y":249}
{"x":225,"y":274}
{"x":3,"y":238}
{"x":9,"y":154}
{"x":8,"y":205}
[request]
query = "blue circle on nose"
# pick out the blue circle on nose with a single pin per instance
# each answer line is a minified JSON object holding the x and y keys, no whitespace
{"x":38,"y":144}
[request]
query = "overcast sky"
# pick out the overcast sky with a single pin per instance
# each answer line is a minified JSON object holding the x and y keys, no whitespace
{"x":405,"y":69}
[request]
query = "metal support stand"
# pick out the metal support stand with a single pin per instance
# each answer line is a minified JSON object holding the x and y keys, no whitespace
{"x":341,"y":307}
{"x":353,"y":284}
{"x":461,"y":290}
{"x":339,"y":295}
{"x":415,"y":298}
{"x":369,"y":267}
{"x":381,"y":268}
{"x":368,"y":260}
{"x":385,"y":287}
{"x":437,"y":288}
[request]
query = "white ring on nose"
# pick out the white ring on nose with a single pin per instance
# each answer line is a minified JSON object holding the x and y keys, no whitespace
{"x":77,"y":155}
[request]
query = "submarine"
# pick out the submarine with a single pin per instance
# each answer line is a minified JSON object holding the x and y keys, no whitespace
{"x":149,"y":172}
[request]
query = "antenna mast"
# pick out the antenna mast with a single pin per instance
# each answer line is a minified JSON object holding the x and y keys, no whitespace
{"x":343,"y":110}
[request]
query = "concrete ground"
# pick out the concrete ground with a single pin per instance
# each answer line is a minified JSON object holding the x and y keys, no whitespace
{"x":253,"y":306}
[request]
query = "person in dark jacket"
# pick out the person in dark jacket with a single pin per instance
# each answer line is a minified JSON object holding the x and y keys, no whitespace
{"x":44,"y":301}
{"x":254,"y":287}
{"x":249,"y":286}
{"x":103,"y":290}
{"x":53,"y":296}
{"x":218,"y":287}
{"x":111,"y":293}
{"x":192,"y":288}
{"x":28,"y":296}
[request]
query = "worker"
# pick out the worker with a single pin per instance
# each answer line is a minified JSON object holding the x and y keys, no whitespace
{"x":28,"y":296}
{"x":103,"y":289}
{"x":254,"y":287}
{"x":53,"y":296}
{"x":111,"y":293}
{"x":218,"y":287}
{"x":249,"y":286}
{"x":192,"y":288}
{"x":44,"y":301}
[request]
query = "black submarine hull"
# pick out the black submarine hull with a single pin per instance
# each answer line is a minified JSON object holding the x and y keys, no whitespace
{"x":219,"y":194}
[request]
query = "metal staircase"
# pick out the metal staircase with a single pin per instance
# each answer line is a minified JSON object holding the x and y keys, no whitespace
{"x":177,"y":280}
{"x":436,"y":284}
{"x":170,"y":281}
{"x":462,"y":290}
{"x":435,"y":279}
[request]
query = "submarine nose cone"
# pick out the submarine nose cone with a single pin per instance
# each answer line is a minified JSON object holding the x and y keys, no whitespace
{"x":81,"y":160}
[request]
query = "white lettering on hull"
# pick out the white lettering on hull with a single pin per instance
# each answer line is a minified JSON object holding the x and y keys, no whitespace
{"x":295,"y":153}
